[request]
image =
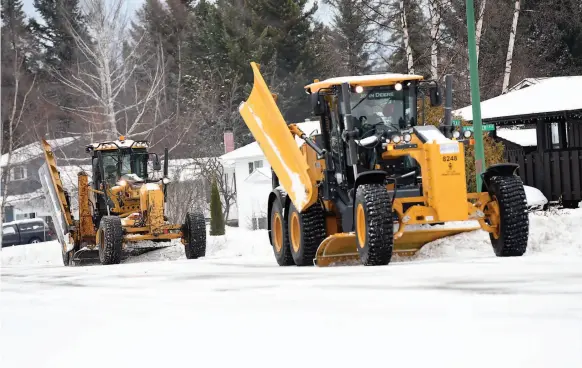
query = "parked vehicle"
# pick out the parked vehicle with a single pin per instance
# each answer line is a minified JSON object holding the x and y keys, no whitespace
{"x":26,"y":231}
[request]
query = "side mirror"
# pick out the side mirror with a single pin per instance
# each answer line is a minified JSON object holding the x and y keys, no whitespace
{"x":435,"y":96}
{"x":317,"y":104}
{"x":157,"y":164}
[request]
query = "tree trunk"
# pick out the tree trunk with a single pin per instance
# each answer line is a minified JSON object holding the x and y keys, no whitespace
{"x":409,"y":58}
{"x":509,"y":58}
{"x":479,"y":28}
{"x":435,"y":21}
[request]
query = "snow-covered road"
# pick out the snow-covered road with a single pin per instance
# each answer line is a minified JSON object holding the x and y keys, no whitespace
{"x":237,"y":308}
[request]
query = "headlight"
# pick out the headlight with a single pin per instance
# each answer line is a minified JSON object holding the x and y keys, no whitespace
{"x":456,"y":134}
{"x":166,"y":181}
{"x":407,"y":137}
{"x":396,"y":139}
{"x":467,"y":133}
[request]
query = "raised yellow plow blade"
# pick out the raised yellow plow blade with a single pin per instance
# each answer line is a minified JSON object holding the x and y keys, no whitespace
{"x":341,"y":249}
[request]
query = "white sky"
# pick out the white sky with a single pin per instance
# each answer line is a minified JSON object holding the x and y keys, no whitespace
{"x":323,"y":12}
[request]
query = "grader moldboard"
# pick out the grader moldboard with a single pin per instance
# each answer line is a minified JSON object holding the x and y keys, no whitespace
{"x":120,"y":208}
{"x":374,"y":182}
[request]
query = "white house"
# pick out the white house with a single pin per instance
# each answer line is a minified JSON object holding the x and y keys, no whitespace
{"x":253,"y":179}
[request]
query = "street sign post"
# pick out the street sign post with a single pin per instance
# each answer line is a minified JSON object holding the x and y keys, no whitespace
{"x":475,"y":96}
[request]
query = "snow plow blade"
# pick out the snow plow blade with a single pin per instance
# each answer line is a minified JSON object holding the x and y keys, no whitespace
{"x":341,"y":249}
{"x":262,"y":116}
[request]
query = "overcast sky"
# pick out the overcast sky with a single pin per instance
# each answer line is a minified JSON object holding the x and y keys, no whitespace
{"x":323,"y":12}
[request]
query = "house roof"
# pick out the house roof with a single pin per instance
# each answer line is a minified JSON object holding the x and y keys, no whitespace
{"x":254,"y":150}
{"x":33,"y":150}
{"x":546,"y":95}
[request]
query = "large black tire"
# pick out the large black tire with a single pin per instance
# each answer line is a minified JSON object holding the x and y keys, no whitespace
{"x":194,"y":231}
{"x":306,"y":232}
{"x":111,"y":240}
{"x":374,"y":224}
{"x":509,"y":193}
{"x":280,"y":236}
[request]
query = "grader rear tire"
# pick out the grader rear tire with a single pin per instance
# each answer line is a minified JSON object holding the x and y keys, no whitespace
{"x":194,"y":231}
{"x":280,"y":236}
{"x":374,"y":225}
{"x":306,"y":232}
{"x":512,"y":236}
{"x":110,"y":240}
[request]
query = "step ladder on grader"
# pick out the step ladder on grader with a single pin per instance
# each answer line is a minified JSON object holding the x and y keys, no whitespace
{"x":119,"y":209}
{"x":374,"y":181}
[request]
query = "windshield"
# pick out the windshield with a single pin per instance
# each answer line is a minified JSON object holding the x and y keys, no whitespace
{"x":123,"y":164}
{"x":385,"y":105}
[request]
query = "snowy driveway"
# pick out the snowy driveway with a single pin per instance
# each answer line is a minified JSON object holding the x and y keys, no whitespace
{"x":246,"y":311}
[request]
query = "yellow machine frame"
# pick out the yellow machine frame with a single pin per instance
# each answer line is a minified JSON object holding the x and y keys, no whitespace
{"x":300,"y":172}
{"x":145,"y":201}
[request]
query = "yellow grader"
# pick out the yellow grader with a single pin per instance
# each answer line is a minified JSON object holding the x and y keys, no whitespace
{"x":119,"y":208}
{"x":374,"y":182}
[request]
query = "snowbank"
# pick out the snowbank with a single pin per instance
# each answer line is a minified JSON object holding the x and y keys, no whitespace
{"x":551,"y":233}
{"x":534,"y":196}
{"x":48,"y":253}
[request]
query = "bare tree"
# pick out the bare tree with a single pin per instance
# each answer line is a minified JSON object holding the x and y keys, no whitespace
{"x":212,"y":168}
{"x":15,"y":102}
{"x":509,"y":58}
{"x":404,"y":25}
{"x":106,"y":74}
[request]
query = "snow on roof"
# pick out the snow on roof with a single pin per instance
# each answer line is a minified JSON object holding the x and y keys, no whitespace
{"x":33,"y":150}
{"x":523,"y":137}
{"x":547,"y":95}
{"x":254,"y":150}
{"x":260,"y":174}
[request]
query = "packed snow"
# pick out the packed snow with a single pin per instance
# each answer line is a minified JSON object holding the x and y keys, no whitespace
{"x":452,"y":305}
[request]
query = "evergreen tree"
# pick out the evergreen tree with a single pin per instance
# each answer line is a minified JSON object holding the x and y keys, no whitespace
{"x":352,"y":32}
{"x":55,"y":37}
{"x":16,"y":74}
{"x":216,"y":217}
{"x":59,"y":55}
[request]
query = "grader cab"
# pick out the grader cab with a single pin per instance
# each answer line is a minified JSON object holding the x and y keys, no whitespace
{"x":374,"y":181}
{"x":121,"y":207}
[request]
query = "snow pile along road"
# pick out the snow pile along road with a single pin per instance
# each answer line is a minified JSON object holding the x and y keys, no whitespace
{"x":552,"y":232}
{"x":48,"y":253}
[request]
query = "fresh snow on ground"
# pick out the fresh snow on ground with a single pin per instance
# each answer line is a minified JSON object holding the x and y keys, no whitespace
{"x":453,"y":305}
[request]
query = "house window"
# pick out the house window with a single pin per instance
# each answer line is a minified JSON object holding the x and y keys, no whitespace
{"x":255,"y":165}
{"x":18,"y":173}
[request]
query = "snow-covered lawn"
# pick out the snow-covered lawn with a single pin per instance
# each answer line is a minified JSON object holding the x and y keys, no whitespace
{"x":453,"y":305}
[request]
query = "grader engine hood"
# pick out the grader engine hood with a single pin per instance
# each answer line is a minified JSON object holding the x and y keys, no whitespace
{"x":445,"y":174}
{"x":151,"y":199}
{"x":262,"y":116}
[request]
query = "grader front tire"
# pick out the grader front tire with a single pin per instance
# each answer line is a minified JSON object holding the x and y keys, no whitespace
{"x":513,"y":229}
{"x":110,"y":240}
{"x":374,"y":225}
{"x":280,"y":236}
{"x":306,"y":232}
{"x":194,"y":232}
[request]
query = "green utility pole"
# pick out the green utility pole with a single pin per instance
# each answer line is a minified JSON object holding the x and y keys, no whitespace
{"x":475,"y":96}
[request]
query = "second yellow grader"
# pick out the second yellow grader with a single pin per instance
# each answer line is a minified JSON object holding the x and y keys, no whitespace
{"x":373,"y":181}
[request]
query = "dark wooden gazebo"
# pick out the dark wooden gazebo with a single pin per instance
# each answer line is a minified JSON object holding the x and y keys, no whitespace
{"x":540,"y":123}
